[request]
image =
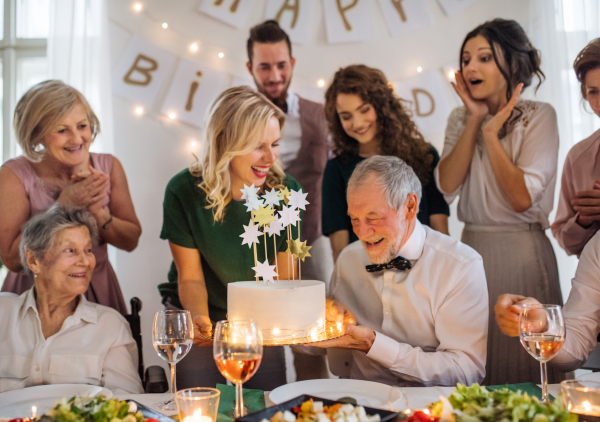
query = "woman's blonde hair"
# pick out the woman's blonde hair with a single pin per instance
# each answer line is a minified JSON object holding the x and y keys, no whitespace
{"x":41,"y":108}
{"x":235,"y":125}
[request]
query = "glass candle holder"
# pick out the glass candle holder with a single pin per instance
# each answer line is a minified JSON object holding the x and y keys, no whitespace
{"x":198,"y":404}
{"x":582,"y":398}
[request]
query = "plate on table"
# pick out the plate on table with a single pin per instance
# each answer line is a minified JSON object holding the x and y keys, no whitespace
{"x":594,"y":376}
{"x":17,"y":403}
{"x":366,"y":393}
{"x":385,"y":415}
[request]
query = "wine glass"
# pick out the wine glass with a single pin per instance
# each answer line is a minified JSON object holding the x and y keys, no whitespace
{"x":172,"y":337}
{"x":237,"y":351}
{"x":542,"y":333}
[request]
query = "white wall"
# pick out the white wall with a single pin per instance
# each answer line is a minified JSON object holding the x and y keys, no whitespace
{"x":153,"y":149}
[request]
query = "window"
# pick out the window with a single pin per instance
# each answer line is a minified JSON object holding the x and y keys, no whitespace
{"x":24,"y":28}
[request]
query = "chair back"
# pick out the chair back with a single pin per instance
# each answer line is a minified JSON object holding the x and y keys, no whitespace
{"x":340,"y":362}
{"x":136,"y":331}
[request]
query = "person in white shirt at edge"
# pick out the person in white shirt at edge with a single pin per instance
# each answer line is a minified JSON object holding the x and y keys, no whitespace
{"x":582,"y":311}
{"x":303,"y":150}
{"x":423,"y":326}
{"x":51,"y":334}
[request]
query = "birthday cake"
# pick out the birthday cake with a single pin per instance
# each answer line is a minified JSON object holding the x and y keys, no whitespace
{"x":283,"y":310}
{"x":286,"y":309}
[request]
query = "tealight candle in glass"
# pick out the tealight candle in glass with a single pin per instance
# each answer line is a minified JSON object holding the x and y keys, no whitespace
{"x":198,"y":404}
{"x":582,"y":398}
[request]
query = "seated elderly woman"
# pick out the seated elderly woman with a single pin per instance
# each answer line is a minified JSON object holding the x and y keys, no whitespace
{"x":51,"y":334}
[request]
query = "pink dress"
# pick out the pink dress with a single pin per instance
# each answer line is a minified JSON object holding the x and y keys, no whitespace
{"x":581,"y":170}
{"x":104,"y":287}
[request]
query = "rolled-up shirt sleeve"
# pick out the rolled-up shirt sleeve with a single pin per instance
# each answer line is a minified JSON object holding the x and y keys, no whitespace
{"x":538,"y":156}
{"x":461,"y":326}
{"x":582,"y":310}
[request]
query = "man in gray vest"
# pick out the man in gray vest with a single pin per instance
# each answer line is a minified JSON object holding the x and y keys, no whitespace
{"x":303,"y":149}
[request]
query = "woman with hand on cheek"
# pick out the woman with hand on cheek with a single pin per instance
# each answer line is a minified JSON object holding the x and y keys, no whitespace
{"x":55,"y":127}
{"x":500,"y":156}
{"x":578,"y":213}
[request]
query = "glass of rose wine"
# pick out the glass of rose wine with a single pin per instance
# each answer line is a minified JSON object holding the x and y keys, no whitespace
{"x":237,"y":350}
{"x":542,"y":333}
{"x":172,"y":337}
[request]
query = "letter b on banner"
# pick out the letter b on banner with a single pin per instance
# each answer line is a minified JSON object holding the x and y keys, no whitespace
{"x":141,"y":71}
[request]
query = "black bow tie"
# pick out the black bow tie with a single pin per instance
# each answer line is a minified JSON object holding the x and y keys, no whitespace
{"x":399,"y":263}
{"x":283,"y":106}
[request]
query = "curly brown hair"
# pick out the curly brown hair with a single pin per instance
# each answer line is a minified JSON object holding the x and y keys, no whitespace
{"x":398,"y":133}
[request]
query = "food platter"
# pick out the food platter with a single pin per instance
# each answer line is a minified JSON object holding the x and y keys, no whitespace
{"x":332,"y":331}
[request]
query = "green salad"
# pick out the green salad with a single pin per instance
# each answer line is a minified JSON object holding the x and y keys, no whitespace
{"x":94,"y":409}
{"x":475,"y":403}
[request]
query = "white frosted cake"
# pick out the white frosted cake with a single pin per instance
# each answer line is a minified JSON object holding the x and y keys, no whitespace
{"x":282,"y":310}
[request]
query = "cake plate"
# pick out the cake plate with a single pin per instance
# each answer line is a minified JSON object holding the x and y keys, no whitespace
{"x":332,"y":330}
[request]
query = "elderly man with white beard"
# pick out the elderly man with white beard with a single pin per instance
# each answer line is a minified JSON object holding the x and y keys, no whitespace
{"x":418,"y":297}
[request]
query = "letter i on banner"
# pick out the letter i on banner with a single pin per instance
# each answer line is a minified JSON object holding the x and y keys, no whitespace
{"x":232,"y":12}
{"x":192,"y":89}
{"x":141,"y":71}
{"x":294,"y":16}
{"x":348,"y":20}
{"x":405,"y":15}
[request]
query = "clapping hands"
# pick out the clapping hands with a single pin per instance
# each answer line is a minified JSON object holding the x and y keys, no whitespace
{"x":87,"y":188}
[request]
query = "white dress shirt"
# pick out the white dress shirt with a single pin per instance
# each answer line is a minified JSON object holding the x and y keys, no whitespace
{"x":431,"y":322}
{"x":291,"y":136}
{"x":531,"y":144}
{"x":582,"y":310}
{"x":94,"y":346}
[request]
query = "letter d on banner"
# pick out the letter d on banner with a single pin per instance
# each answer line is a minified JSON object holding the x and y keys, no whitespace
{"x":141,"y":71}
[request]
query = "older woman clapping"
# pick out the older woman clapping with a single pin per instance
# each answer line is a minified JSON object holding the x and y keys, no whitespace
{"x":51,"y":334}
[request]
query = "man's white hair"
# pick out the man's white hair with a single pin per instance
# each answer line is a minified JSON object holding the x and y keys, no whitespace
{"x":395,"y":177}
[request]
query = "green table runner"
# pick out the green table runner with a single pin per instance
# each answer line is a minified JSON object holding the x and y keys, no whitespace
{"x":254,"y":400}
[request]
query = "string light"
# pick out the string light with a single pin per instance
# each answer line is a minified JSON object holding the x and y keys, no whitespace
{"x":139,"y":110}
{"x":321,"y":83}
{"x":193,"y":143}
{"x":194,"y":46}
{"x":172,"y":116}
{"x":137,"y":7}
{"x":419,"y":69}
{"x":165,"y":25}
{"x":221,"y":55}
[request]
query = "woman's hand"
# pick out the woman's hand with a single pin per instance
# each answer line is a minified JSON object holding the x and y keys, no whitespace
{"x":587,"y":204}
{"x":477,"y":108}
{"x":87,"y":191}
{"x":507,"y":312}
{"x":202,"y":327}
{"x":493,"y":126}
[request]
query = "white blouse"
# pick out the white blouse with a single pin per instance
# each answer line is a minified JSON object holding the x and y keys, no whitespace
{"x":94,"y":346}
{"x":531,"y":144}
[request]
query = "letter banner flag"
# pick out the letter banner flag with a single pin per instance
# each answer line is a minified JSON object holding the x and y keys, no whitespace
{"x":430,"y":105}
{"x":192,"y":89}
{"x":141,"y":71}
{"x":232,"y":12}
{"x":452,"y":7}
{"x":348,"y":20}
{"x":294,"y":16}
{"x":405,"y":15}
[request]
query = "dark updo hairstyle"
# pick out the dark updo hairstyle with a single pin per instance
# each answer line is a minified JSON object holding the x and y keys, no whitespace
{"x":519,"y":60}
{"x":398,"y":133}
{"x":587,"y":59}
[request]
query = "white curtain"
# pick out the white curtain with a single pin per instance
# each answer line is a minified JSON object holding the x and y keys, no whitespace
{"x":560,"y":29}
{"x":78,"y":54}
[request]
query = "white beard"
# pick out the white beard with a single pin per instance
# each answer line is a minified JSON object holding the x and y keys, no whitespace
{"x":386,"y":255}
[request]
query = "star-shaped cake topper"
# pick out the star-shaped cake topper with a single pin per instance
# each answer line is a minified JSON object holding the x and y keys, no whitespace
{"x":288,"y":216}
{"x":251,"y":234}
{"x":272,"y":197}
{"x":264,"y":215}
{"x":294,"y":247}
{"x":304,"y":251}
{"x":252,"y":203}
{"x":249,"y":192}
{"x":274,"y":228}
{"x":265,"y":271}
{"x":298,"y":199}
{"x":284,"y":194}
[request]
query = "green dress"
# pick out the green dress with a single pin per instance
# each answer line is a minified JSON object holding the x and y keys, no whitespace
{"x":187,"y":222}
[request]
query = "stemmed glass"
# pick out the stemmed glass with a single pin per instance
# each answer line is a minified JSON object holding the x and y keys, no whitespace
{"x":172,"y":337}
{"x":237,"y":351}
{"x":542,"y":333}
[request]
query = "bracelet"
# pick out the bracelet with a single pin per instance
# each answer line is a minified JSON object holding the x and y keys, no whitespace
{"x":107,"y":223}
